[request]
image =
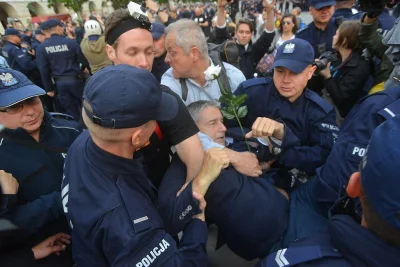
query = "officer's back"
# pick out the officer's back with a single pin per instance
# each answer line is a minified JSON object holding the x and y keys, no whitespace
{"x":61,"y":54}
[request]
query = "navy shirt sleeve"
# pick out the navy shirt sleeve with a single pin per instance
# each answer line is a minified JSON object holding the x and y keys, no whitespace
{"x":22,"y":59}
{"x":44,"y":68}
{"x":37,"y":213}
{"x":131,"y":244}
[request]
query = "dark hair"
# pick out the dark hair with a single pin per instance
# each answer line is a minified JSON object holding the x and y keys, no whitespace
{"x":247,"y":22}
{"x":116,"y":18}
{"x":348,"y":35}
{"x":376,"y":224}
{"x":294,"y":21}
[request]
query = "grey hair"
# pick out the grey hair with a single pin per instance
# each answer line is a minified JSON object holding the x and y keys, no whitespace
{"x":197,"y":107}
{"x":187,"y":35}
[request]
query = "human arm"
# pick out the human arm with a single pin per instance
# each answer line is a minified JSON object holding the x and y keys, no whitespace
{"x":369,"y":36}
{"x":9,"y":188}
{"x":155,"y":8}
{"x":44,"y":69}
{"x":294,"y":154}
{"x":264,"y":42}
{"x":175,"y":195}
{"x":35,"y":214}
{"x":23,"y":60}
{"x":53,"y":244}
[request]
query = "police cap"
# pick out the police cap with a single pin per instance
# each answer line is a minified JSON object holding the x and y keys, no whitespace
{"x":124,"y":96}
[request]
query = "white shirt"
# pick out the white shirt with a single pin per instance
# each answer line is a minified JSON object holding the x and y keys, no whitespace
{"x":210,"y":91}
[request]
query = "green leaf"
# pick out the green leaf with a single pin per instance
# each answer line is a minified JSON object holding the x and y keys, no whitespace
{"x":242,"y":112}
{"x":239,"y":99}
{"x":225,"y":100}
{"x":227,"y":114}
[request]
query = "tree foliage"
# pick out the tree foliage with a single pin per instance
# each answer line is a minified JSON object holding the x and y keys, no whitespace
{"x":75,"y":5}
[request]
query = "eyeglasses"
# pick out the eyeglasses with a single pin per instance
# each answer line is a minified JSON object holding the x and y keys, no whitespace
{"x":20,"y":105}
{"x":286,"y":22}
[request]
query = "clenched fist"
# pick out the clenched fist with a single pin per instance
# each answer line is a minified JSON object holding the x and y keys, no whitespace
{"x":264,"y":127}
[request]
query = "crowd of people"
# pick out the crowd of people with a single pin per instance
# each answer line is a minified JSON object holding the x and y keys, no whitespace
{"x":122,"y":140}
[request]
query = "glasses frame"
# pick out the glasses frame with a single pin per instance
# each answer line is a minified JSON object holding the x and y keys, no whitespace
{"x":29,"y":101}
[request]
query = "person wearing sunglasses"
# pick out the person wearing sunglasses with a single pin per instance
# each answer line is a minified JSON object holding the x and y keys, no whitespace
{"x":370,"y":238}
{"x":33,"y":147}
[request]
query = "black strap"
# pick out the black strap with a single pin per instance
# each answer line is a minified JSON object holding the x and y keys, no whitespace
{"x":32,"y":144}
{"x":184,"y":89}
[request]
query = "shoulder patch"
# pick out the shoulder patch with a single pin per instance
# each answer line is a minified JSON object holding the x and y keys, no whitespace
{"x":254,"y":82}
{"x":314,"y":97}
{"x":391,"y":110}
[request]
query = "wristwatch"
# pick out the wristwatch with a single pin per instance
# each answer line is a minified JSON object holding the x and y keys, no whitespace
{"x":276,"y":151}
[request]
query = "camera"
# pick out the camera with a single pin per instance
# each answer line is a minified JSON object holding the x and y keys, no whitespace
{"x":323,"y":61}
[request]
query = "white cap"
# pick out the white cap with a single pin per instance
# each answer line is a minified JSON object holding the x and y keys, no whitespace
{"x":92,"y":27}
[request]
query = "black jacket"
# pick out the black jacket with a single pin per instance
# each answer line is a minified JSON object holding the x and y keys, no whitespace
{"x":249,"y":57}
{"x":159,"y":67}
{"x":346,"y":86}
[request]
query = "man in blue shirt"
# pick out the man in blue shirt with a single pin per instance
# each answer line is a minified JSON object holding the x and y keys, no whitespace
{"x":109,"y":201}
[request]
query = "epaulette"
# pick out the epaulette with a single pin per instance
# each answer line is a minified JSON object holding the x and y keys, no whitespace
{"x":256,"y":81}
{"x":314,"y":97}
{"x":58,"y":115}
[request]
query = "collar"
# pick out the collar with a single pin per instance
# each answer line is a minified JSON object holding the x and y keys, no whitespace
{"x":208,"y":83}
{"x":295,"y":103}
{"x":244,"y":46}
{"x":111,"y":163}
{"x":21,"y":134}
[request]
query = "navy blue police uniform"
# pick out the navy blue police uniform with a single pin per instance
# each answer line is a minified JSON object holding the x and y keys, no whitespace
{"x":59,"y":59}
{"x":345,"y":242}
{"x":16,"y":58}
{"x":251,"y":215}
{"x":37,"y":207}
{"x":310,"y":126}
{"x":367,"y":114}
{"x":109,"y":201}
{"x":343,"y":13}
{"x":321,"y":40}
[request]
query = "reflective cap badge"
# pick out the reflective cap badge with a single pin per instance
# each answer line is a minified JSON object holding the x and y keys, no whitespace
{"x":7,"y":79}
{"x":289,"y":48}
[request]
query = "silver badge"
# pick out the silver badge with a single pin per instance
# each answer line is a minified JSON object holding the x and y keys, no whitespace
{"x":289,"y":48}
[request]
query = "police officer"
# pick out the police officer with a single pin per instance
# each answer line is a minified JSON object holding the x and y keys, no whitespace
{"x":61,"y":59}
{"x":16,"y":58}
{"x":302,"y":125}
{"x":104,"y":178}
{"x":32,"y":149}
{"x":38,"y":39}
{"x":344,"y":9}
{"x":372,"y":239}
{"x":320,"y":32}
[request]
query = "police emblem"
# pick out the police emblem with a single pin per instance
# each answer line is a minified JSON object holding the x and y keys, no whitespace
{"x":7,"y":79}
{"x":289,"y":48}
